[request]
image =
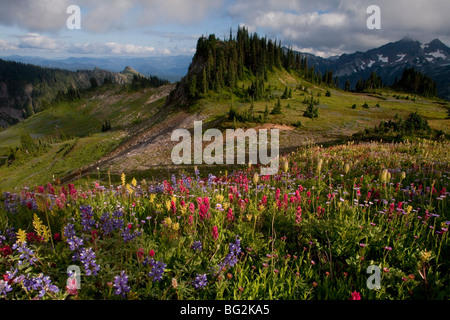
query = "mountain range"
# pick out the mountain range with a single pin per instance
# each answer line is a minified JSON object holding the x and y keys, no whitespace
{"x":78,"y":124}
{"x":389,"y":61}
{"x":171,"y":68}
{"x":26,"y":81}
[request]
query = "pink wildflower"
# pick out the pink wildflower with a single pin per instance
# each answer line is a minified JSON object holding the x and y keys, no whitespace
{"x":72,"y":287}
{"x":215,"y":233}
{"x":356,"y":296}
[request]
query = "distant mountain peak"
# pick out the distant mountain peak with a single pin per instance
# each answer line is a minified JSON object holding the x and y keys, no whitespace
{"x":129,"y":69}
{"x":437,"y":41}
{"x":407,"y":39}
{"x":389,"y":61}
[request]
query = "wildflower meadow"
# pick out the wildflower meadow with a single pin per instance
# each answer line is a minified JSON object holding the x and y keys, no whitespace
{"x":311,"y":231}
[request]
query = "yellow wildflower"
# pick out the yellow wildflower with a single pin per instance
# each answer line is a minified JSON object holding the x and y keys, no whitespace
{"x":130,"y":190}
{"x":319,"y":165}
{"x":425,"y":255}
{"x":219,"y":198}
{"x":21,"y":236}
{"x":286,"y":166}
{"x":346,"y":168}
{"x":168,"y":221}
{"x":41,"y":230}
{"x":255,"y":178}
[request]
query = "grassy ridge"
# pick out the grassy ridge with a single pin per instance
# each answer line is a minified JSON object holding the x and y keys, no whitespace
{"x":336,"y":116}
{"x":72,"y":129}
{"x":80,"y":121}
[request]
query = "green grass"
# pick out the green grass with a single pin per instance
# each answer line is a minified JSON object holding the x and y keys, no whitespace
{"x":62,"y":158}
{"x":79,"y":123}
{"x":85,"y":116}
{"x":335,"y":112}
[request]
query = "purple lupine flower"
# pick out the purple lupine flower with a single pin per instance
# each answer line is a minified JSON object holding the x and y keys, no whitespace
{"x":157,"y":270}
{"x":127,"y":235}
{"x":106,"y":223}
{"x":72,"y":240}
{"x":200,"y":281}
{"x":41,"y":283}
{"x":121,"y":284}
{"x":11,"y":233}
{"x":26,"y":254}
{"x":74,"y":243}
{"x":111,"y":223}
{"x":10,"y":202}
{"x":12,"y":275}
{"x":197,"y":246}
{"x":4,"y":288}
{"x":87,"y":258}
{"x":87,"y":215}
{"x":232,"y":257}
{"x":69,"y":230}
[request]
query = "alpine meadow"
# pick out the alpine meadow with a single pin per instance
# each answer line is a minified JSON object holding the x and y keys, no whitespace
{"x":356,"y":208}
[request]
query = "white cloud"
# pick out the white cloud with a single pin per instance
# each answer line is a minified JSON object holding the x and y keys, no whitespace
{"x":327,"y":26}
{"x":36,"y":42}
{"x":6,"y":46}
{"x":35,"y":16}
{"x":113,"y":48}
{"x":105,"y":16}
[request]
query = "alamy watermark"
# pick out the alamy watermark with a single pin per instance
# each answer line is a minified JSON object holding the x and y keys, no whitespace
{"x":74,"y":279}
{"x":74,"y":20}
{"x":374,"y":281}
{"x":374,"y":21}
{"x":213,"y":153}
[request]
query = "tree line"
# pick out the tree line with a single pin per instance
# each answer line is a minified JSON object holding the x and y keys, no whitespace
{"x":221,"y":64}
{"x":411,"y":81}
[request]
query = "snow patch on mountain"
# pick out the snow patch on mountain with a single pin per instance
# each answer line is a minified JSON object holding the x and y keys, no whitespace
{"x":382,"y":58}
{"x":438,"y":54}
{"x":401,"y":57}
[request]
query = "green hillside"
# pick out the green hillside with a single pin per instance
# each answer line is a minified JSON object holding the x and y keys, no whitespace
{"x":69,"y":135}
{"x":243,"y":82}
{"x":249,"y":75}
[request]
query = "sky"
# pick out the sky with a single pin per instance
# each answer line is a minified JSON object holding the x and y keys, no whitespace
{"x":172,"y":27}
